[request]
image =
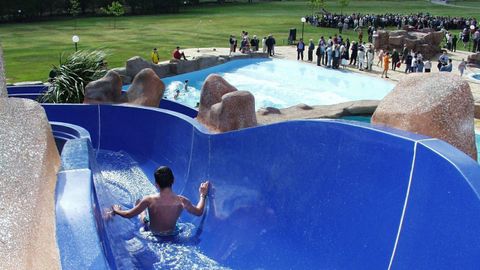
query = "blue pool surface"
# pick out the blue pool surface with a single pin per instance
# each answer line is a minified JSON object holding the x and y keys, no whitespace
{"x":367,"y":119}
{"x":281,"y":83}
{"x":294,"y":195}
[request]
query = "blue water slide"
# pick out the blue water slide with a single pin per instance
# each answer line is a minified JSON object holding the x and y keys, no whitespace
{"x":295,"y":195}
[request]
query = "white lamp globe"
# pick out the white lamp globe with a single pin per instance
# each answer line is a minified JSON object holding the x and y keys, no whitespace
{"x":472,"y":27}
{"x":75,"y":38}
{"x":303,"y":19}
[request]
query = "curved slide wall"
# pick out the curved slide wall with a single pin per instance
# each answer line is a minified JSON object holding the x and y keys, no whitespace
{"x":307,"y":194}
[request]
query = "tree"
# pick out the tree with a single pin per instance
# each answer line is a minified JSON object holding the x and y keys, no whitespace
{"x":317,"y":5}
{"x":115,"y":9}
{"x":343,"y":4}
{"x":74,"y":10}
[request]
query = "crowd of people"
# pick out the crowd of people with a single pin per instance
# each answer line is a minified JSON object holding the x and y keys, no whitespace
{"x":378,"y":21}
{"x":464,"y":36}
{"x":469,"y":27}
{"x":335,"y":52}
{"x":248,"y":44}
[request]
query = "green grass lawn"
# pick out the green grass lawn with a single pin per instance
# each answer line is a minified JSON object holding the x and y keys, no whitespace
{"x":32,"y":48}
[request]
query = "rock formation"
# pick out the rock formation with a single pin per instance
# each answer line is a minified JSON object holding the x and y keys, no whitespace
{"x":474,"y":59}
{"x":223,"y":108}
{"x":301,"y":111}
{"x":29,"y":162}
{"x":174,"y":67}
{"x":427,"y":42}
{"x":105,"y":90}
{"x":146,"y":90}
{"x":136,"y":64}
{"x":438,"y":105}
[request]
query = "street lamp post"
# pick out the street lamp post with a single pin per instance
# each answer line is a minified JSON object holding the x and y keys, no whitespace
{"x":75,"y":40}
{"x":303,"y":20}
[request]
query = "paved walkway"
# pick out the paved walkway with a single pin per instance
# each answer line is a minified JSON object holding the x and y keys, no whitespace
{"x":289,"y":52}
{"x":442,"y":3}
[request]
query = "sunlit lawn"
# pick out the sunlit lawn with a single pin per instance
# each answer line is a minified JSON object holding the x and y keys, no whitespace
{"x":32,"y":48}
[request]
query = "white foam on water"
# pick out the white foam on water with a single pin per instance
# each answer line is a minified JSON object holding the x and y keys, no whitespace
{"x":284,"y":83}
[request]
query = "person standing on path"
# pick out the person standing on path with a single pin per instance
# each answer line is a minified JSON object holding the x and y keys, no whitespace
{"x":428,"y":66}
{"x":300,"y":49}
{"x":370,"y":57}
{"x":311,"y":47}
{"x":361,"y":56}
{"x":404,"y":53}
{"x":386,"y":64}
{"x":462,"y":66}
{"x":454,"y":43}
{"x":264,"y":45}
{"x":395,"y":59}
{"x":354,"y":55}
{"x":269,"y":43}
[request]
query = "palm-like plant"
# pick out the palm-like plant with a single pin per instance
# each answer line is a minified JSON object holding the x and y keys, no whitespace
{"x":73,"y":74}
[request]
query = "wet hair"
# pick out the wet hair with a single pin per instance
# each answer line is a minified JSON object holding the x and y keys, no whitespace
{"x":164,"y":177}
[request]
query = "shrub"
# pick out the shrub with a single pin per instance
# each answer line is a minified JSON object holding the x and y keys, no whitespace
{"x":73,"y":74}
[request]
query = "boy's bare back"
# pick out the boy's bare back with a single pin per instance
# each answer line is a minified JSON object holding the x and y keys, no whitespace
{"x":165,"y":207}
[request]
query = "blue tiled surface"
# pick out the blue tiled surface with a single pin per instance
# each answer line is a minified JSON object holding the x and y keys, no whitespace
{"x":308,"y":194}
{"x":77,"y":236}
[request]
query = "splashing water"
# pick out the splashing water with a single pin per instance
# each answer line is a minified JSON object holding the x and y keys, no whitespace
{"x":282,"y":83}
{"x":122,"y":181}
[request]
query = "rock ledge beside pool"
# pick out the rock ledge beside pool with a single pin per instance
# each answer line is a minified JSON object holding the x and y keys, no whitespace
{"x":302,"y":111}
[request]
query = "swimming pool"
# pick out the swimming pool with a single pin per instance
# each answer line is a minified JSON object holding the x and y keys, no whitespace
{"x":282,"y":83}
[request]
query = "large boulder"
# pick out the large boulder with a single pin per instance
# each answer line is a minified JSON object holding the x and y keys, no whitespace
{"x":235,"y":111}
{"x":474,"y":59}
{"x":183,"y":66}
{"x":206,"y":61}
{"x":397,"y":33}
{"x":438,"y":105}
{"x":427,"y":42}
{"x":29,"y":162}
{"x":412,"y":43}
{"x":434,"y":37}
{"x":105,"y":90}
{"x":477,"y":110}
{"x":396,"y":41}
{"x":213,"y":89}
{"x":146,"y":90}
{"x":3,"y":80}
{"x":136,"y":64}
{"x":223,"y":108}
{"x":428,"y":51}
{"x":122,"y":72}
{"x":380,"y":39}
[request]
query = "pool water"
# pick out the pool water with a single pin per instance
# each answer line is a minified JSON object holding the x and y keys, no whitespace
{"x":281,"y":83}
{"x":366,"y":119}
